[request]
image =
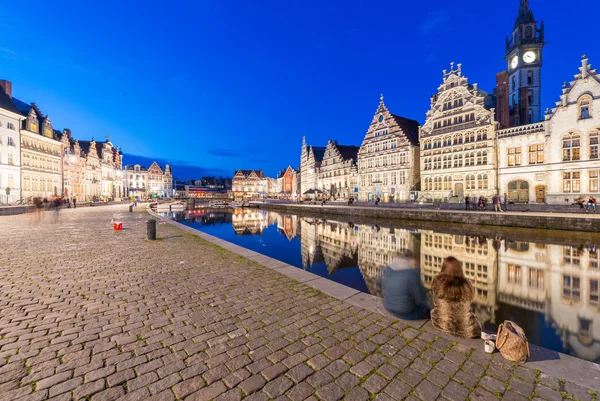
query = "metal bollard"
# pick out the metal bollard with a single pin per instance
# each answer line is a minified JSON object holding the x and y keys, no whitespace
{"x":130,"y":208}
{"x":151,"y":229}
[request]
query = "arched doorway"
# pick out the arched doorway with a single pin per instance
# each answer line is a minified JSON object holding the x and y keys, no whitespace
{"x":518,"y":191}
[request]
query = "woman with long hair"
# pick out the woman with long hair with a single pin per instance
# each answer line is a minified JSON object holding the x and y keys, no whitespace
{"x":452,"y":295}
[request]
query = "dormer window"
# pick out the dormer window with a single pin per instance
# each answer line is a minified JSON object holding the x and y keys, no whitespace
{"x":33,"y":127}
{"x":48,"y":132}
{"x":584,"y":109}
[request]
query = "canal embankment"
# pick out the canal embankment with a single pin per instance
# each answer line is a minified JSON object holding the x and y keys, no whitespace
{"x":533,"y":220}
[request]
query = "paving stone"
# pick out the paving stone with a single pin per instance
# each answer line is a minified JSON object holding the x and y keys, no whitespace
{"x":374,"y":384}
{"x":455,"y":392}
{"x":397,"y":389}
{"x":299,"y":372}
{"x":492,"y":385}
{"x":188,"y":386}
{"x":438,"y":377}
{"x":319,"y":379}
{"x":330,"y":392}
{"x":252,"y":384}
{"x":208,"y":393}
{"x":232,"y":395}
{"x":347,"y":381}
{"x":426,"y":390}
{"x":362,"y":369}
{"x":547,"y":393}
{"x":357,"y":394}
{"x":300,"y":391}
{"x":278,"y":387}
{"x":109,"y":394}
{"x":482,"y":395}
{"x":274,"y":371}
{"x":336,"y":368}
{"x":521,"y":386}
{"x":318,"y":362}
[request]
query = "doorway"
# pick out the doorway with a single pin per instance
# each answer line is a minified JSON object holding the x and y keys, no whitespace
{"x":540,"y":193}
{"x":459,"y":189}
{"x":518,"y":191}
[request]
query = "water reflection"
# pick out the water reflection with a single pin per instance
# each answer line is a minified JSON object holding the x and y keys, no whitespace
{"x":552,"y":290}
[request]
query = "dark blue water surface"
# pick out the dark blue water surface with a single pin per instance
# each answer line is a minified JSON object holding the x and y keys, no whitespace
{"x":551,"y":288}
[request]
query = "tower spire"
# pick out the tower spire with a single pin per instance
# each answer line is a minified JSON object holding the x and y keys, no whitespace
{"x":525,"y":14}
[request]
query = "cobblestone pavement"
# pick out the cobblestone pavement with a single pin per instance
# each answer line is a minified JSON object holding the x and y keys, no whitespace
{"x":91,"y":313}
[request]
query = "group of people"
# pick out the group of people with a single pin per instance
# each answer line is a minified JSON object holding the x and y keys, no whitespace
{"x":591,"y":203}
{"x":55,"y":203}
{"x":452,"y":293}
{"x":474,"y":203}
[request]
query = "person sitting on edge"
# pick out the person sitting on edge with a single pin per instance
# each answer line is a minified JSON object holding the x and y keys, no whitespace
{"x":580,"y":202}
{"x":591,"y":204}
{"x":402,"y":291}
{"x":452,"y":296}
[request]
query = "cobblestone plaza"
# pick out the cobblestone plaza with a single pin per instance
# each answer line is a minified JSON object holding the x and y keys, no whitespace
{"x":91,"y":313}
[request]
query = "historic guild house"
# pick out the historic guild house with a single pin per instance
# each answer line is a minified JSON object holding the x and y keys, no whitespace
{"x":474,"y":143}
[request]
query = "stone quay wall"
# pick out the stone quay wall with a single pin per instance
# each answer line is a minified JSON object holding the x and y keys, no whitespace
{"x":547,"y":221}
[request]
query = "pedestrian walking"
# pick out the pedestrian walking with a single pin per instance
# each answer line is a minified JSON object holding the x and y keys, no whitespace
{"x":74,"y":202}
{"x":505,"y":202}
{"x":467,"y":202}
{"x":591,"y":204}
{"x":37,"y":202}
{"x":481,"y":206}
{"x":56,"y":205}
{"x":377,"y":200}
{"x":496,"y":202}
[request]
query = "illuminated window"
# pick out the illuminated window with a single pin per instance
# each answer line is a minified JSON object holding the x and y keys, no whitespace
{"x":447,"y":183}
{"x":33,"y":127}
{"x":514,"y":156}
{"x":571,"y":147}
{"x":470,"y":181}
{"x":572,"y":181}
{"x":594,"y":145}
{"x":514,"y":274}
{"x":593,"y":174}
{"x":536,"y":154}
{"x":536,"y":278}
{"x":584,"y":109}
{"x":571,"y":288}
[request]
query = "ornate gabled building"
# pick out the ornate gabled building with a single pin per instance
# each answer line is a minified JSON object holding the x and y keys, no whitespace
{"x":159,"y":182}
{"x":10,"y":146}
{"x":103,"y":172}
{"x":74,"y":167}
{"x":556,"y":161}
{"x":287,"y":185}
{"x":458,"y":141}
{"x":310,"y":163}
{"x":388,"y":158}
{"x":41,"y":154}
{"x":249,"y":184}
{"x":338,"y":174}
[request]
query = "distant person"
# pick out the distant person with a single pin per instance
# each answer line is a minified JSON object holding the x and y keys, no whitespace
{"x":39,"y":205}
{"x":467,"y":202}
{"x":377,"y":200}
{"x":591,"y":204}
{"x":56,"y":204}
{"x":74,"y":202}
{"x":496,"y":202}
{"x":402,"y":290}
{"x":452,"y":297}
{"x":505,"y":202}
{"x":580,"y":201}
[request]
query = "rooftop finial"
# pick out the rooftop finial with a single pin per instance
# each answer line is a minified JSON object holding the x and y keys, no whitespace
{"x":381,"y":98}
{"x":107,"y":138}
{"x":525,"y":15}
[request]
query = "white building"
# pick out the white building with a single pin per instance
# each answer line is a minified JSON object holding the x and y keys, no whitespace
{"x":388,"y":158}
{"x":311,"y":158}
{"x":556,"y":160}
{"x":338,"y":174}
{"x":10,"y":146}
{"x":458,"y":141}
{"x":136,"y":178}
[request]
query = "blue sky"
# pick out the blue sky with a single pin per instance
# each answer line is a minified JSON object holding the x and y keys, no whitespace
{"x":213,"y":86}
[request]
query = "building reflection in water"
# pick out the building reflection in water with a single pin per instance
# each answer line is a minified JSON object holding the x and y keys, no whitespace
{"x":548,"y":289}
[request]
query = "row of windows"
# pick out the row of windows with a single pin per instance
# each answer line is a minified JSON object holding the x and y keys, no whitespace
{"x":388,"y":178}
{"x":39,"y":184}
{"x":536,"y":155}
{"x":449,"y":161}
{"x":385,"y":160}
{"x":458,"y":139}
{"x":453,"y":104}
{"x":383,"y":145}
{"x":453,"y":121}
{"x":472,"y":181}
{"x":8,"y":124}
{"x":572,"y":181}
{"x":10,"y":181}
{"x":40,"y":162}
{"x":380,"y":133}
{"x":571,"y":146}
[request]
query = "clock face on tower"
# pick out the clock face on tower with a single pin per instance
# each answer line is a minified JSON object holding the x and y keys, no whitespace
{"x":529,"y":57}
{"x":514,"y":62}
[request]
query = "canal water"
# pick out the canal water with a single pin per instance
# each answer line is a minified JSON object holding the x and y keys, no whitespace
{"x":550,"y":288}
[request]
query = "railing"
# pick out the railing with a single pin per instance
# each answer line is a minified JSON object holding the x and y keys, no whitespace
{"x":523,"y":130}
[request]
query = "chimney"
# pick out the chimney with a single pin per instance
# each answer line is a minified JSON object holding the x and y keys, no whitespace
{"x":7,"y":86}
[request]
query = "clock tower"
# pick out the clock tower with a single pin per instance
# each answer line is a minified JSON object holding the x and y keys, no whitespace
{"x":524,"y":61}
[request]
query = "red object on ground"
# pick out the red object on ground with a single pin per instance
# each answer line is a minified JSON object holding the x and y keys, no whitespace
{"x":118,"y":225}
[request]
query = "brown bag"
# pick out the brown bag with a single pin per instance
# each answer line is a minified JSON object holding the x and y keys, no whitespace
{"x":512,"y":342}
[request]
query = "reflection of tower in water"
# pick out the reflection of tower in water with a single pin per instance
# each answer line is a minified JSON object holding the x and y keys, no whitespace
{"x":377,"y":248}
{"x":478,"y":258}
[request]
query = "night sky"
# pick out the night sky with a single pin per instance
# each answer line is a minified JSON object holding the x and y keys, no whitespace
{"x":213,"y":86}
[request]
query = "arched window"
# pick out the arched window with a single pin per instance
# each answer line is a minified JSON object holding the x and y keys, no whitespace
{"x":447,"y":162}
{"x":458,"y":160}
{"x":484,"y":159}
{"x":485,"y":182}
{"x":530,"y":77}
{"x":594,"y":144}
{"x":584,"y":108}
{"x":470,"y":159}
{"x":438,"y":184}
{"x":479,"y":158}
{"x":571,"y":147}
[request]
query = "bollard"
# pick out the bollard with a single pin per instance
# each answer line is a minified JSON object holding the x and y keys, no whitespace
{"x":151,"y":229}
{"x":130,"y":208}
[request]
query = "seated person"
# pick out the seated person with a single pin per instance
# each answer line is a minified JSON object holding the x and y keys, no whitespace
{"x":402,"y":290}
{"x":452,"y":296}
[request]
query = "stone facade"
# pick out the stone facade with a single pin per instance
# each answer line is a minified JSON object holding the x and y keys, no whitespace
{"x":41,"y":154}
{"x":10,"y":146}
{"x":249,"y":184}
{"x":103,"y":170}
{"x":388,"y":158}
{"x":458,"y":141}
{"x":338,"y":174}
{"x":136,"y":180}
{"x":311,"y":158}
{"x":159,"y":181}
{"x":556,"y":161}
{"x":74,"y":167}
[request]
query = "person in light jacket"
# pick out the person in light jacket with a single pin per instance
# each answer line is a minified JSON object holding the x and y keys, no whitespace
{"x":402,"y":290}
{"x":452,"y":296}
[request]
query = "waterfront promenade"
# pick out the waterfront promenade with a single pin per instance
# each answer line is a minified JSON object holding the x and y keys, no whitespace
{"x":88,"y":312}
